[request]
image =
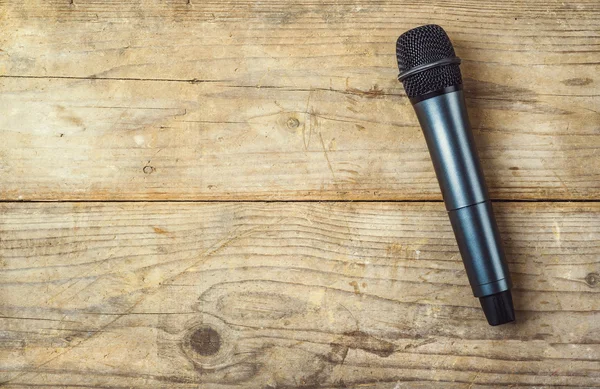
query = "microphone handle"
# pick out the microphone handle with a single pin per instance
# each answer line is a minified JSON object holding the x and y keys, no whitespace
{"x":447,"y":131}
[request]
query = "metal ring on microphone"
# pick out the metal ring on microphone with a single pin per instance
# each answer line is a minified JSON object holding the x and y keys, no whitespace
{"x":421,"y":68}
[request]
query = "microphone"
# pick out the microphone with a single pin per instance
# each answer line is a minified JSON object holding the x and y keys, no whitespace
{"x":431,"y":77}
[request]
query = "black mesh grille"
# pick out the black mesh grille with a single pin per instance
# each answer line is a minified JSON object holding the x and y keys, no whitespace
{"x":423,"y":45}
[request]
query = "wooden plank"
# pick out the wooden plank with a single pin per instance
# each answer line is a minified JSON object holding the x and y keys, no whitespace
{"x":236,"y":100}
{"x":289,"y":295}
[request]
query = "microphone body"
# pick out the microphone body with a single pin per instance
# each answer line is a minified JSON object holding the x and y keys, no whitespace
{"x":451,"y":145}
{"x":431,"y":76}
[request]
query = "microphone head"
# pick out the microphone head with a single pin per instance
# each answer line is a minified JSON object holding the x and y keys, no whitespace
{"x":422,"y":46}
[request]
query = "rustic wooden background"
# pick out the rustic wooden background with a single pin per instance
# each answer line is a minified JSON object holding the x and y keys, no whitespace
{"x":225,"y":194}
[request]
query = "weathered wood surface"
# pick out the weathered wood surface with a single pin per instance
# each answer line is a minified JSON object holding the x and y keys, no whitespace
{"x":276,"y":100}
{"x":289,"y":295}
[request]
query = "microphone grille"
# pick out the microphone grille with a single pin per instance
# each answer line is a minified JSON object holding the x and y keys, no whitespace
{"x":421,"y":46}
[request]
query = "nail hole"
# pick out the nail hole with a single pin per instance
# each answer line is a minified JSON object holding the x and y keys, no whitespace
{"x":592,"y":279}
{"x":293,"y":123}
{"x":149,"y":169}
{"x":205,"y":341}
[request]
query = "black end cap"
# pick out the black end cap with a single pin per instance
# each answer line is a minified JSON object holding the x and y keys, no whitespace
{"x":498,"y":308}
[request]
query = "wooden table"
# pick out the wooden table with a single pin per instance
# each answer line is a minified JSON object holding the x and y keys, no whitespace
{"x":224,"y":194}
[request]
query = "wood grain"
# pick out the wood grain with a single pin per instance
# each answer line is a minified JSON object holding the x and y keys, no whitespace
{"x":235,"y":100}
{"x":289,"y":295}
{"x":225,"y":101}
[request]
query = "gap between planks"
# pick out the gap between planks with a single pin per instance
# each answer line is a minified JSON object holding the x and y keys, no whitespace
{"x":550,"y":200}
